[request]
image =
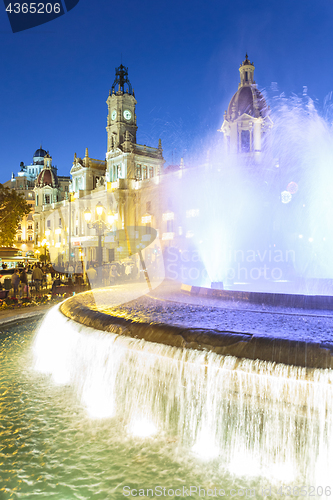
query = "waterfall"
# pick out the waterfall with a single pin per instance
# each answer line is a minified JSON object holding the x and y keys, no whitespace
{"x":256,"y":418}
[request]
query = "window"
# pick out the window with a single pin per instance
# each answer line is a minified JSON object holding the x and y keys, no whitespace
{"x":47,"y":199}
{"x":30,"y":226}
{"x":148,"y":206}
{"x":19,"y":238}
{"x":48,"y":224}
{"x":36,"y":225}
{"x":111,"y":254}
{"x":151,"y":172}
{"x":60,"y":222}
{"x":138,"y":172}
{"x":263,"y":141}
{"x":19,"y":226}
{"x":144,"y":172}
{"x":245,"y":141}
{"x":170,"y":226}
{"x":29,"y":238}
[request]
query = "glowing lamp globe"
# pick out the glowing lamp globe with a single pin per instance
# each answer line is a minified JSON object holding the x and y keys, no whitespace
{"x":285,"y":196}
{"x":99,"y":209}
{"x":110,"y":218}
{"x":87,"y":215}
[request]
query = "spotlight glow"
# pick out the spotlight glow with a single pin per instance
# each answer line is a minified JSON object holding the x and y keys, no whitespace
{"x":205,"y":446}
{"x":143,"y":427}
{"x":244,"y":462}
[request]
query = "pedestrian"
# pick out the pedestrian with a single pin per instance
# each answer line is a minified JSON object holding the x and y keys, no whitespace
{"x":15,"y":282}
{"x":37,"y":277}
{"x":91,"y":275}
{"x":113,"y":273}
{"x":70,"y":269}
{"x":128,"y":270}
{"x":24,"y":283}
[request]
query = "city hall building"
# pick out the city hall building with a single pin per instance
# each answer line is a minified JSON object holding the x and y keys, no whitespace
{"x":130,"y":188}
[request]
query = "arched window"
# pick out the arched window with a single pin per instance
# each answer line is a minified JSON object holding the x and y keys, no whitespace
{"x":245,"y":141}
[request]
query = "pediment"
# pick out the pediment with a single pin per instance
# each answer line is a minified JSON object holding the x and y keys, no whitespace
{"x":76,"y":167}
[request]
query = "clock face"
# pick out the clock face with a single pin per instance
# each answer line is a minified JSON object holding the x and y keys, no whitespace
{"x":127,"y":114}
{"x":113,"y":115}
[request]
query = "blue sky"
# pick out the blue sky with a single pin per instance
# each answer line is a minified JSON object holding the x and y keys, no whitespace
{"x":183,"y":58}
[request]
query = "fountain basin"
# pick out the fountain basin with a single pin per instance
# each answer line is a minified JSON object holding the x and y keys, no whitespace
{"x":229,"y":398}
{"x":82,"y":309}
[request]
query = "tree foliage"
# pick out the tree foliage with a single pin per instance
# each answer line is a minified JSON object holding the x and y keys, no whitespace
{"x":13,"y":207}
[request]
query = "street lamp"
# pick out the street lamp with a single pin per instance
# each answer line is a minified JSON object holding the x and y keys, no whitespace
{"x":45,"y":245}
{"x":99,"y":225}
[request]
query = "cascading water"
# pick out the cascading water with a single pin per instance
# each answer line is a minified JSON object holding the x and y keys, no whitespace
{"x":254,"y":418}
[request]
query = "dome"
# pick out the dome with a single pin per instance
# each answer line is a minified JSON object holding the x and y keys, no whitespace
{"x":47,"y":178}
{"x":39,"y":153}
{"x":38,"y":156}
{"x":249,"y":100}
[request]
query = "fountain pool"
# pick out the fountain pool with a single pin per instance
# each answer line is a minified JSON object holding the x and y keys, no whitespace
{"x":92,"y":414}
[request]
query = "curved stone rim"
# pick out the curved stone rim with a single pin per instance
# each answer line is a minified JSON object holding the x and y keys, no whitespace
{"x":242,"y":345}
{"x":298,"y":301}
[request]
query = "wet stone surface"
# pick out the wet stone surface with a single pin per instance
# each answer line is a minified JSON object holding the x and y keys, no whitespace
{"x":284,"y":323}
{"x":292,"y":337}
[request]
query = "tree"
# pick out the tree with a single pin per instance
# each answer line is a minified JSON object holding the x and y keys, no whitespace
{"x":13,"y":207}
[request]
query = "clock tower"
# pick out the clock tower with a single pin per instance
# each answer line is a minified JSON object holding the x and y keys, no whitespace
{"x":121,"y":121}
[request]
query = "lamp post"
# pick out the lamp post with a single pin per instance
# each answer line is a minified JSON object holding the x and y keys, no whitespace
{"x":99,"y":225}
{"x":45,"y":245}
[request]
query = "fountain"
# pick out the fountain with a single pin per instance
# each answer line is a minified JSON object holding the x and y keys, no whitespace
{"x":253,"y":408}
{"x":256,"y":407}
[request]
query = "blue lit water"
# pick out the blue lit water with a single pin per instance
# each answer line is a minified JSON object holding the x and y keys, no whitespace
{"x":51,"y":448}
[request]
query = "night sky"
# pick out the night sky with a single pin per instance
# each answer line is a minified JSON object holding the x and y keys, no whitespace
{"x":183,"y":58}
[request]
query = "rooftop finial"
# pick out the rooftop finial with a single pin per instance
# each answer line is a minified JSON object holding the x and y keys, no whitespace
{"x":122,"y":79}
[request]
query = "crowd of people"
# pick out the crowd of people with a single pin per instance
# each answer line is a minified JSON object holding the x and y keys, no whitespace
{"x":112,"y":273}
{"x":39,"y":277}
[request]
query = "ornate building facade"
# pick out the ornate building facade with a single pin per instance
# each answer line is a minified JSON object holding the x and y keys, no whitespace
{"x":126,"y":184}
{"x":130,"y":188}
{"x":247,"y":123}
